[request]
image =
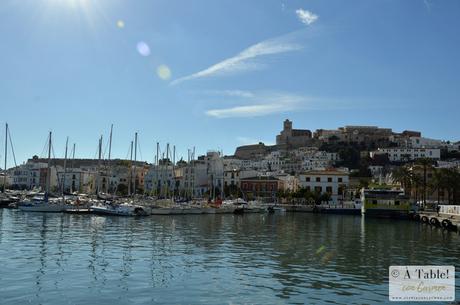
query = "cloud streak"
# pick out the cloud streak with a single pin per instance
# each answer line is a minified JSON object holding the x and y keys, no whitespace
{"x":306,"y":17}
{"x":262,"y":105}
{"x":244,"y":61}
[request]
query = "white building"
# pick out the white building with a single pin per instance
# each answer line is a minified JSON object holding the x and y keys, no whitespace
{"x":76,"y":180}
{"x":31,"y":175}
{"x":398,"y":154}
{"x":333,"y":182}
{"x":421,"y":142}
{"x":194,"y":179}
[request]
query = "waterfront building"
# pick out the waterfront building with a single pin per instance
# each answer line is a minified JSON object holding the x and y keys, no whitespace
{"x":194,"y":181}
{"x":330,"y":181}
{"x":261,"y":187}
{"x":385,"y":203}
{"x":77,"y":180}
{"x":31,"y":175}
{"x":160,"y":179}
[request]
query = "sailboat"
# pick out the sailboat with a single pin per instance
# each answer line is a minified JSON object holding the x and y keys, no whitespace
{"x":6,"y":200}
{"x":44,"y":204}
{"x":109,"y":207}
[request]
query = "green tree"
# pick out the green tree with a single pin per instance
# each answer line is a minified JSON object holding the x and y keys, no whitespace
{"x":426,"y":164}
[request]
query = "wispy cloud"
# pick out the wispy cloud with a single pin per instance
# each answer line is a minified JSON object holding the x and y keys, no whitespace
{"x":306,"y":17}
{"x":244,"y":61}
{"x":261,"y":105}
{"x":428,"y":5}
{"x":232,"y":93}
{"x":246,"y":111}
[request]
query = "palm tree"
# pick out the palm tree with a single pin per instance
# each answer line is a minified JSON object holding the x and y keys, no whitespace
{"x":438,"y":183}
{"x":416,"y":181}
{"x":452,"y":180}
{"x":449,"y":180}
{"x":404,"y":177}
{"x":426,"y":164}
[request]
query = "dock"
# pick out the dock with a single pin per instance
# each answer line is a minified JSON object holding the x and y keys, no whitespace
{"x":442,"y":220}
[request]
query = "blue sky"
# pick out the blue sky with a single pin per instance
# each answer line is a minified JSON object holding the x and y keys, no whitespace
{"x":218,"y":74}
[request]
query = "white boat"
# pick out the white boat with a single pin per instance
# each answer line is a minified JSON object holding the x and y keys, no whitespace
{"x":42,"y":205}
{"x":124,"y":209}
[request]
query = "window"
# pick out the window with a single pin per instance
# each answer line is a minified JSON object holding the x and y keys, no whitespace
{"x":397,"y":202}
{"x":329,"y":189}
{"x":329,"y":179}
{"x":374,"y":201}
{"x":307,"y":179}
{"x":340,"y":179}
{"x":318,"y":189}
{"x":318,"y":179}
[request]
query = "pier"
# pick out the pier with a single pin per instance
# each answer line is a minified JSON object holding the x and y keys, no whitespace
{"x":442,"y":220}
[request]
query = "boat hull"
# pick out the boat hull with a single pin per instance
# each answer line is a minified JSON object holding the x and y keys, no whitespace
{"x":43,"y":208}
{"x":118,"y":210}
{"x":386,"y":213}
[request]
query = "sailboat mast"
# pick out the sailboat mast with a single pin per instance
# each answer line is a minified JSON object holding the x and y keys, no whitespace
{"x":130,"y":170}
{"x":99,"y":166}
{"x":48,"y":174}
{"x":156,"y":171}
{"x":65,"y":166}
{"x":135,"y":159}
{"x":165,"y":175}
{"x":72,"y":166}
{"x":109,"y":174}
{"x":110,"y":141}
{"x":222,"y":181}
{"x":6,"y":157}
{"x":173,"y":170}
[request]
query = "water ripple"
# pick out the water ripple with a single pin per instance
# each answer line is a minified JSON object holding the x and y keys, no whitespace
{"x":209,"y":259}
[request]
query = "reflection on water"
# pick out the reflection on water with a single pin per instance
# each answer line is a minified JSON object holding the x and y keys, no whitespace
{"x":209,"y":259}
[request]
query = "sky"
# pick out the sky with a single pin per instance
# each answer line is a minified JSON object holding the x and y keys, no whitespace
{"x":218,"y":74}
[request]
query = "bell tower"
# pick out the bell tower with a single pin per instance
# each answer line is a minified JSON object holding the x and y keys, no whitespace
{"x":287,"y":126}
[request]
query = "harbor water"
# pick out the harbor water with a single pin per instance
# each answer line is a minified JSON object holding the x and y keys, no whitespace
{"x":295,"y":258}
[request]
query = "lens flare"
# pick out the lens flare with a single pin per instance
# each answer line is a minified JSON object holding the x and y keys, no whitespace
{"x":164,"y":72}
{"x":120,"y":24}
{"x":143,"y":48}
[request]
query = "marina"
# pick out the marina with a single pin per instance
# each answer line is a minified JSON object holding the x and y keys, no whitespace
{"x":229,"y":152}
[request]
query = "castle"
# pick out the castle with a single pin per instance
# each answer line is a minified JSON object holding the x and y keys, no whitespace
{"x":293,"y":138}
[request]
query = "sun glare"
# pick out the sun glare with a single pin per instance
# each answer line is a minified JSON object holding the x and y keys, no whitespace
{"x":71,"y":3}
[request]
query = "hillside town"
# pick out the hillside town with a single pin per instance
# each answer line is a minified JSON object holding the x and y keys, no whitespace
{"x":324,"y":166}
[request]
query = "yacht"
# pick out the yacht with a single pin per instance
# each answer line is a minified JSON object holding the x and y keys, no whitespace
{"x":40,"y":204}
{"x":43,"y":203}
{"x":123,"y":209}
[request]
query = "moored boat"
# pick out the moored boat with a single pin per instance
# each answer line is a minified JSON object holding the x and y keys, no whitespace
{"x":385,"y":203}
{"x":38,"y":204}
{"x":124,"y":209}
